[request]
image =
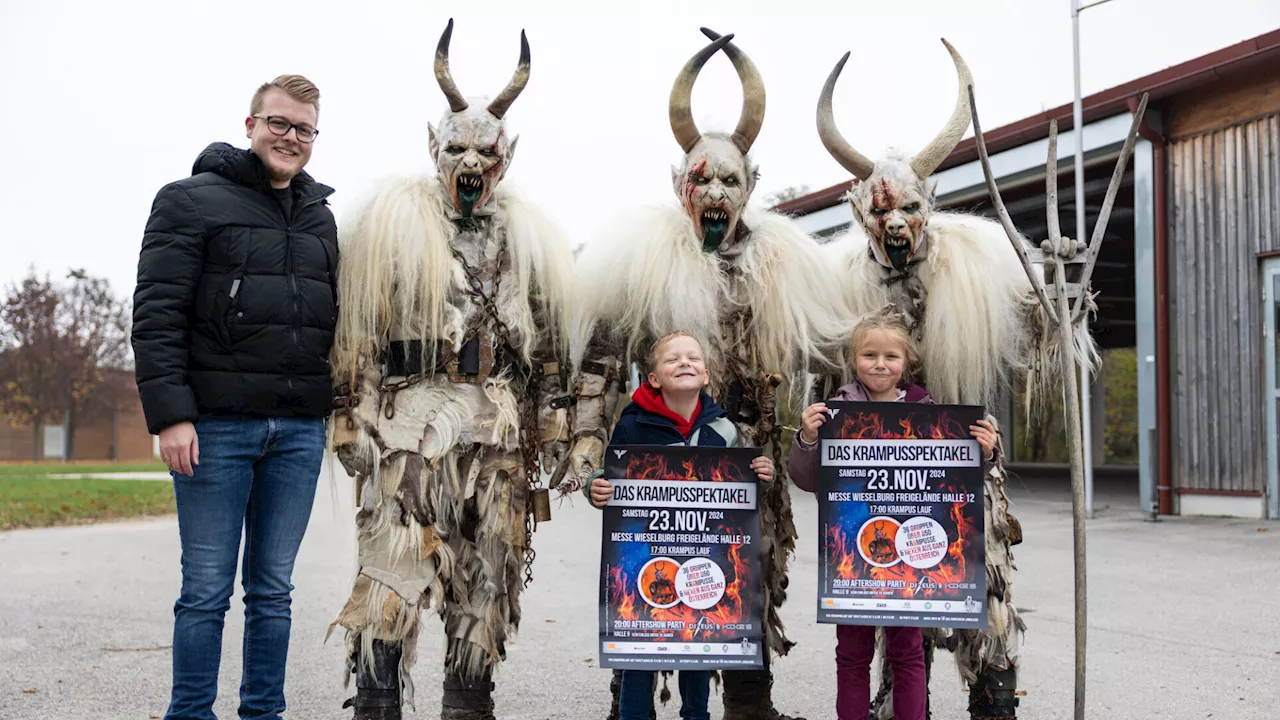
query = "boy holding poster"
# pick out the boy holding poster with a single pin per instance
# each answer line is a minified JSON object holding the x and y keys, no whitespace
{"x":672,"y":409}
{"x":883,"y":352}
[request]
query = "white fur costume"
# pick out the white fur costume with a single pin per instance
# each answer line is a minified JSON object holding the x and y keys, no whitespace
{"x":442,"y":484}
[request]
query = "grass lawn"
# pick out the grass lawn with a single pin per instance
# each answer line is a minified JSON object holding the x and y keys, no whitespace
{"x":30,"y":498}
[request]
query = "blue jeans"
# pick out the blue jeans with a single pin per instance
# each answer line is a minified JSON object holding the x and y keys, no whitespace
{"x":257,"y":476}
{"x":636,"y":695}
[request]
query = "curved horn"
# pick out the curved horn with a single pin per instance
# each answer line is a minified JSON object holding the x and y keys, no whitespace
{"x":928,"y":159}
{"x":680,"y":104}
{"x":852,"y":160}
{"x":752,"y":117}
{"x":456,"y":102}
{"x":498,"y":107}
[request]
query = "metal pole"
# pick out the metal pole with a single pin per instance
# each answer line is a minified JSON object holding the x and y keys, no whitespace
{"x":1077,"y":120}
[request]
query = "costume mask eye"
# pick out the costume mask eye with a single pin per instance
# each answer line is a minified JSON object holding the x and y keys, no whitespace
{"x":455,"y":149}
{"x":731,"y":181}
{"x":877,"y":212}
{"x":912,"y":208}
{"x":703,"y":181}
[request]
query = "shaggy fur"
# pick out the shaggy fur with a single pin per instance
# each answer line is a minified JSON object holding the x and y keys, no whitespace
{"x":441,"y":484}
{"x":651,"y":276}
{"x":983,"y":324}
{"x":398,"y":274}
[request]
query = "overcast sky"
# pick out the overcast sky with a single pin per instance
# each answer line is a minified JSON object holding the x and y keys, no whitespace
{"x":106,"y":102}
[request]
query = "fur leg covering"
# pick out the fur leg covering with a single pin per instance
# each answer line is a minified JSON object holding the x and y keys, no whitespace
{"x":994,"y":696}
{"x":377,"y":682}
{"x":467,"y":698}
{"x":748,"y":695}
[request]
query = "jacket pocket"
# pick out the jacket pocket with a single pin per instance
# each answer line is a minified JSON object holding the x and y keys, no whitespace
{"x":232,"y":314}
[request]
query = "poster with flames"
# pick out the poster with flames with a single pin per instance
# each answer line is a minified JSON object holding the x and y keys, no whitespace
{"x":900,"y":509}
{"x":680,"y":561}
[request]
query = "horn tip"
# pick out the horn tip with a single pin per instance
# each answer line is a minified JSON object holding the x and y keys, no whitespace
{"x":710,"y":33}
{"x":524,"y":48}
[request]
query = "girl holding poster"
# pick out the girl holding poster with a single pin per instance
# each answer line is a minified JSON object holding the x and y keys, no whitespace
{"x":883,"y":353}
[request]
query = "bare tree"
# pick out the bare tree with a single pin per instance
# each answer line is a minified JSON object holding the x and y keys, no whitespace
{"x":791,"y":192}
{"x":57,"y":348}
{"x":29,"y":341}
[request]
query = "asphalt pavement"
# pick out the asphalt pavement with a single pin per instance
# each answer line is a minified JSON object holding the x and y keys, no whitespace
{"x":1183,"y":620}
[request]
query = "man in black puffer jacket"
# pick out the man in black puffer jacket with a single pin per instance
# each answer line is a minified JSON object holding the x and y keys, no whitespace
{"x":234,"y":316}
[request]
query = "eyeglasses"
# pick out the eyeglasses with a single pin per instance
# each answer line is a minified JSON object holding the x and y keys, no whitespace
{"x":280,"y":126}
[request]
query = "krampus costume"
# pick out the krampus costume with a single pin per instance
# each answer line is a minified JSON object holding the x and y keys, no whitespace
{"x":747,"y":283}
{"x":977,"y":321}
{"x":452,"y":329}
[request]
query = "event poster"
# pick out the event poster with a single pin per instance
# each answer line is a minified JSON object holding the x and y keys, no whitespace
{"x":900,"y":511}
{"x":680,"y":563}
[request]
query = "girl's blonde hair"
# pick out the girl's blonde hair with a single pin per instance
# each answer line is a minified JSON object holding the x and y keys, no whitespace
{"x":890,"y":320}
{"x":656,"y":348}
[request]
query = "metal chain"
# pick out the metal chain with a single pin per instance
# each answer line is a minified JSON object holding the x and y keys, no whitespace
{"x":528,"y":412}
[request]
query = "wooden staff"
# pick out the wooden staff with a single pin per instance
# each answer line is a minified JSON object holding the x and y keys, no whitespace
{"x":1065,"y":317}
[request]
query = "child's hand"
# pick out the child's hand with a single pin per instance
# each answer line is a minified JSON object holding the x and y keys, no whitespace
{"x":764,"y":469}
{"x":601,"y":491}
{"x":985,"y":434}
{"x":810,"y":420}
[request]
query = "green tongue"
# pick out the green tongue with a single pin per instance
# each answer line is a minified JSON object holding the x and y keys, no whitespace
{"x":713,"y":232}
{"x":468,"y":196}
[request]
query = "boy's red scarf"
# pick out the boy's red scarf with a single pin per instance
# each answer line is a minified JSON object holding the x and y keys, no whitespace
{"x":649,"y":398}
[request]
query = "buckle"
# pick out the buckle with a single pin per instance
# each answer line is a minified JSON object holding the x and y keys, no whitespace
{"x":563,"y":402}
{"x":484,"y":368}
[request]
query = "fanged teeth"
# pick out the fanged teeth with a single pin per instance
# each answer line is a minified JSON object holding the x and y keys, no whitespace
{"x":472,"y":181}
{"x":715,"y":215}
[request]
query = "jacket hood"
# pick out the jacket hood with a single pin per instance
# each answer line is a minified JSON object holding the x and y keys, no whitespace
{"x":709,"y":412}
{"x":855,"y":391}
{"x":245,"y":168}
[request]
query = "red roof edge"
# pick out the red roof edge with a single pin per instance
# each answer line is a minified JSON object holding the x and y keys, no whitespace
{"x":1161,"y":84}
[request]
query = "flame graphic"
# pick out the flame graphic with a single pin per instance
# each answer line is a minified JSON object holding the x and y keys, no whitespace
{"x":624,"y":598}
{"x":871,"y":426}
{"x":730,"y":609}
{"x":655,"y":467}
{"x":847,"y":564}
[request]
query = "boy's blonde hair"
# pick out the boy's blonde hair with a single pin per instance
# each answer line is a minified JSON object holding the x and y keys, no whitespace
{"x":890,"y":320}
{"x":661,"y":343}
{"x":295,"y":86}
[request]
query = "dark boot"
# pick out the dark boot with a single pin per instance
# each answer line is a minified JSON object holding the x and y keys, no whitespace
{"x":377,"y":684}
{"x":993,"y":696}
{"x":748,"y":695}
{"x":467,"y":699}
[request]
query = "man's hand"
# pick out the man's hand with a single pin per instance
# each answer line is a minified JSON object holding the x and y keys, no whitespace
{"x":601,"y":491}
{"x":180,"y":448}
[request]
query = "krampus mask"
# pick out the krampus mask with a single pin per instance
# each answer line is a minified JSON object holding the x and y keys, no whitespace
{"x":894,"y":197}
{"x":471,"y":147}
{"x":717,"y":177}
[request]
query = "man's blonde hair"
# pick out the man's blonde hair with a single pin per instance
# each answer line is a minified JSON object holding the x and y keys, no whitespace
{"x":890,"y":320}
{"x":656,"y":348}
{"x":295,"y":86}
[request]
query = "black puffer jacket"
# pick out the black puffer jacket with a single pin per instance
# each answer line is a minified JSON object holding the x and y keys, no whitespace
{"x":236,"y":303}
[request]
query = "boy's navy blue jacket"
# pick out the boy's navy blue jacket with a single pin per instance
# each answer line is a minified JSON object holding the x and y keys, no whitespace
{"x":639,"y":426}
